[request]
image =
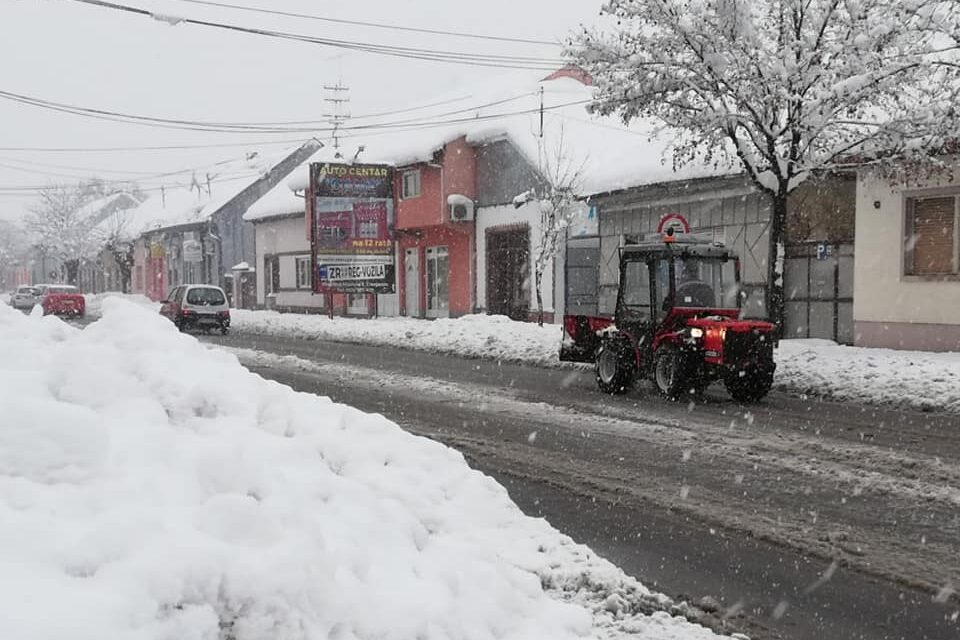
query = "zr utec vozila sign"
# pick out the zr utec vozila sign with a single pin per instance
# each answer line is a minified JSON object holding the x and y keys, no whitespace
{"x":334,"y":273}
{"x":351,"y":227}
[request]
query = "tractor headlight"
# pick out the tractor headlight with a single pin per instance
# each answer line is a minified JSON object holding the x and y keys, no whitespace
{"x":696,"y":332}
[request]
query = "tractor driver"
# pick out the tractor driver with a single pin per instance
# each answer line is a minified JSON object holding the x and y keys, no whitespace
{"x":691,"y":290}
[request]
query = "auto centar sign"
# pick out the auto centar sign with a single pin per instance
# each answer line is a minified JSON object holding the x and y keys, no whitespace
{"x":351,"y":228}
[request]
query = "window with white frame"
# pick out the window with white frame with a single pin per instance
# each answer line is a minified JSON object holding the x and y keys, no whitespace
{"x":303,"y":272}
{"x":411,"y":184}
{"x":931,"y":242}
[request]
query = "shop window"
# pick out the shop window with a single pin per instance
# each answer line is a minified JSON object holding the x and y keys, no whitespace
{"x":438,"y":282}
{"x":358,"y":303}
{"x":930,"y":236}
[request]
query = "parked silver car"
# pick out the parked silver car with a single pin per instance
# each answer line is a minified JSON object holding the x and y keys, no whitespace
{"x":25,"y":297}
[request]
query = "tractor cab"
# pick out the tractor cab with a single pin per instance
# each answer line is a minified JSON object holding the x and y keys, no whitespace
{"x":677,"y":322}
{"x":663,"y":284}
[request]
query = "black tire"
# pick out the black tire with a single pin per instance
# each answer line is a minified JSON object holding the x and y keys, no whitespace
{"x":615,"y":366}
{"x":180,"y":325}
{"x":224,"y":331}
{"x":749,"y":386}
{"x":674,"y":373}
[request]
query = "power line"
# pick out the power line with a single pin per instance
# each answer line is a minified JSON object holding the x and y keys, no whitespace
{"x":415,"y":126}
{"x":305,"y":16}
{"x":175,"y":147}
{"x":457,"y":57}
{"x":168,"y":123}
{"x":26,"y":190}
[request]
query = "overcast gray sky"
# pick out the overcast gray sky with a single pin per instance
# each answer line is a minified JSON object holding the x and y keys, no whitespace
{"x":68,"y":52}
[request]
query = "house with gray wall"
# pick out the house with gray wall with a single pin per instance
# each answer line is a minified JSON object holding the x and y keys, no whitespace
{"x":818,"y":272}
{"x":235,"y":237}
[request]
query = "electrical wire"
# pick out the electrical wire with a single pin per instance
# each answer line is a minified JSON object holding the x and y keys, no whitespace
{"x":173,"y":147}
{"x":413,"y":123}
{"x":416,"y":53}
{"x":18,"y":190}
{"x":305,"y":16}
{"x":415,"y":126}
{"x":196,"y":125}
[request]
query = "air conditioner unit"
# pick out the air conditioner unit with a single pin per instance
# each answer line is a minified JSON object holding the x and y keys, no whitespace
{"x":461,"y":208}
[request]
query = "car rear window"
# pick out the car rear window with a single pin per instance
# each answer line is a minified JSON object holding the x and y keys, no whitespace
{"x":61,"y":289}
{"x":205,"y":297}
{"x":30,"y":290}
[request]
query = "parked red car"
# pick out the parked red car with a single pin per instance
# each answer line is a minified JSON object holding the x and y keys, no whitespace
{"x":62,"y":300}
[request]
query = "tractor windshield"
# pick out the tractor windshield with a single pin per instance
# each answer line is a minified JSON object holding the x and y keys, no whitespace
{"x":709,"y":283}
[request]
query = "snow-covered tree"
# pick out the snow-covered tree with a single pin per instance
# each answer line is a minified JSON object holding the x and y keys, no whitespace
{"x":13,"y":248}
{"x":790,"y":88}
{"x":120,"y":243}
{"x":60,"y":225}
{"x":558,"y":198}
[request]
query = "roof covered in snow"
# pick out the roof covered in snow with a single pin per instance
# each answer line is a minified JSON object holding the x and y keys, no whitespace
{"x":613,"y":155}
{"x":199,"y":198}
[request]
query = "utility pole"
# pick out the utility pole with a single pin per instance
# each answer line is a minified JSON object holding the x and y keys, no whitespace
{"x":541,"y":112}
{"x":338,"y":95}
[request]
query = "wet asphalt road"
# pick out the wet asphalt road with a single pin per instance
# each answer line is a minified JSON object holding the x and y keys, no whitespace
{"x":802,"y":519}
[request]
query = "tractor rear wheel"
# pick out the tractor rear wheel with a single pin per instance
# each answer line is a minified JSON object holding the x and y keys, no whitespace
{"x":749,"y":386}
{"x":673,"y":373}
{"x":615,"y":366}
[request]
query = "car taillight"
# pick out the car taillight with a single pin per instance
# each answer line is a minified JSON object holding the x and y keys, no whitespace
{"x":224,"y":314}
{"x":186,"y":312}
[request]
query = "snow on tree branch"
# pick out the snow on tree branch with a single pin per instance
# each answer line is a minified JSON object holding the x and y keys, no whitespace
{"x":790,"y":87}
{"x":559,"y":203}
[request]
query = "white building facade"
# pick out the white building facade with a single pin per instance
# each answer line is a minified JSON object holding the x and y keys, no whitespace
{"x":907,"y":272}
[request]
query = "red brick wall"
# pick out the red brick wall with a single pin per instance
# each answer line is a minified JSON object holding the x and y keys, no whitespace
{"x":459,"y":170}
{"x":424,"y":210}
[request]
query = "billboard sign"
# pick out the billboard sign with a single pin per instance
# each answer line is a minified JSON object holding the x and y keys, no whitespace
{"x":351,"y":228}
{"x":192,"y":248}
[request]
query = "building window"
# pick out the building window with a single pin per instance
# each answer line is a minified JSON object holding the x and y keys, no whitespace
{"x":303,"y":272}
{"x":411,"y":184}
{"x":271,"y":273}
{"x":358,"y":303}
{"x":930,"y":236}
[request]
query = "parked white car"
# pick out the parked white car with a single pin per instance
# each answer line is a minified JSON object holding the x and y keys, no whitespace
{"x":25,"y":297}
{"x":197,"y":306}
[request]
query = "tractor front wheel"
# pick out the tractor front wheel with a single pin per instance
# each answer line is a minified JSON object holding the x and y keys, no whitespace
{"x":615,"y":366}
{"x":749,"y":386}
{"x":673,"y":373}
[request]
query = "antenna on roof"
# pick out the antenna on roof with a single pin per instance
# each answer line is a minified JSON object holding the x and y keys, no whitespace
{"x":338,"y":95}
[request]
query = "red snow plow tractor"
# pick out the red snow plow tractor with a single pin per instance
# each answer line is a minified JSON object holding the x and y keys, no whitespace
{"x":677,"y":322}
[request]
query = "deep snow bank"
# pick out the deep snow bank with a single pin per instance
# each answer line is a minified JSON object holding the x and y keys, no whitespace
{"x":905,"y":379}
{"x":95,"y":301}
{"x":153,"y":489}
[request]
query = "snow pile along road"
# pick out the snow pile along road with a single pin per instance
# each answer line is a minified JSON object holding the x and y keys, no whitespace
{"x":474,"y":336}
{"x":816,"y":368}
{"x":95,"y":301}
{"x":151,"y":488}
{"x":906,"y":379}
